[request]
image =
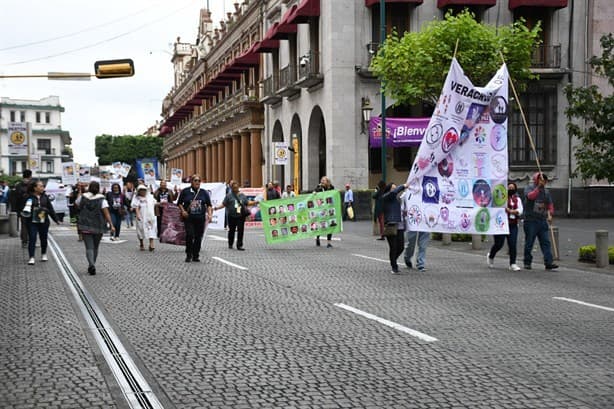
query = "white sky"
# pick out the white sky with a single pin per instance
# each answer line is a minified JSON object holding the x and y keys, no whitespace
{"x":146,"y":31}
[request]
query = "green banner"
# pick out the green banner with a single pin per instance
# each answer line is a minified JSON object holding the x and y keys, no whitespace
{"x":301,"y":217}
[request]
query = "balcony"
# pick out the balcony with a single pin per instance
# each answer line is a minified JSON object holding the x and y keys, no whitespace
{"x":287,"y":78}
{"x":365,"y":71}
{"x":546,"y":56}
{"x":309,"y":70}
{"x":269,"y":96}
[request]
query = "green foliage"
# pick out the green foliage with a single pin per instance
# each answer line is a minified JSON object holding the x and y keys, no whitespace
{"x":589,"y":253}
{"x":414,"y":66}
{"x":127,"y":148}
{"x":591,"y":120}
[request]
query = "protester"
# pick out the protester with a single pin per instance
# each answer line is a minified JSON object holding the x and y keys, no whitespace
{"x":93,"y":219}
{"x":514,"y":211}
{"x":144,"y":205}
{"x":538,"y":212}
{"x":271,"y":192}
{"x":163,"y":196}
{"x":4,"y":191}
{"x":348,"y":201}
{"x":324,"y":185}
{"x":421,"y":237}
{"x":196,"y":209}
{"x":289,"y":192}
{"x":378,"y":213}
{"x":17,"y":201}
{"x":128,"y":196}
{"x":395,"y":223}
{"x":236,"y":209}
{"x":36,"y":212}
{"x":117,"y":209}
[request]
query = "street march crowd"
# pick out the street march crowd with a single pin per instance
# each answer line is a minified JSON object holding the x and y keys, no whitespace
{"x":97,"y":212}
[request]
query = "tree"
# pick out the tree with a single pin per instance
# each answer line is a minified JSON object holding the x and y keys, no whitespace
{"x":127,"y":148}
{"x":414,"y":66}
{"x":595,"y":152}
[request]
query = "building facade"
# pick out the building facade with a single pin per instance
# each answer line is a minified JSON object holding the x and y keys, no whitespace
{"x":49,"y":140}
{"x":311,"y":78}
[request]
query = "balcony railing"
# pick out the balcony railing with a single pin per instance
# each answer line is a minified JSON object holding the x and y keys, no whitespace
{"x":309,"y":70}
{"x":287,"y":79}
{"x":269,"y":95}
{"x":546,"y":56}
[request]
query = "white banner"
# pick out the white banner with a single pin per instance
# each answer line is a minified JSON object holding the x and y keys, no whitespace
{"x":18,"y":138}
{"x":280,"y":153}
{"x":458,"y":182}
{"x":85,"y":174}
{"x":34,"y":162}
{"x":69,"y":173}
{"x":176,"y":176}
{"x":217,"y":192}
{"x":58,"y":194}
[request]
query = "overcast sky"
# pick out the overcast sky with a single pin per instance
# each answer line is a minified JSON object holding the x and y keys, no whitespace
{"x":37,"y":37}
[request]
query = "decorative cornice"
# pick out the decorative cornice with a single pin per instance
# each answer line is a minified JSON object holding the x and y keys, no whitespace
{"x":35,"y":107}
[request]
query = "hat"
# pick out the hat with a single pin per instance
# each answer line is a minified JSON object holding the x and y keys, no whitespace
{"x":141,"y":187}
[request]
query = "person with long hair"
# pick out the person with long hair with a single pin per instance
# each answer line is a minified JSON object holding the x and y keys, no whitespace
{"x":324,"y":185}
{"x":236,"y":210}
{"x":93,"y":219}
{"x":115,"y":199}
{"x":146,"y":227}
{"x":36,"y":213}
{"x":163,"y":196}
{"x":395,"y":222}
{"x":378,"y":213}
{"x":128,"y":196}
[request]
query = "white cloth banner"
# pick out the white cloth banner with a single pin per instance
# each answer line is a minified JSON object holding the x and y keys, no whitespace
{"x":458,"y":182}
{"x":69,"y":173}
{"x":217,"y":193}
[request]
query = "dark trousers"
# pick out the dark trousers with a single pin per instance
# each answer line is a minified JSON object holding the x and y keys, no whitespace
{"x":92,"y":242}
{"x":238,"y":224}
{"x":512,"y":239}
{"x":24,"y":232}
{"x":537,"y":229}
{"x":159,"y":221}
{"x":396,"y":245}
{"x":116,"y":218}
{"x":194,"y":230}
{"x":42,"y":229}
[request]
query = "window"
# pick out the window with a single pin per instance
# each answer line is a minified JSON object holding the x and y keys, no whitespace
{"x":47,"y":117}
{"x":48,"y":166}
{"x":397,"y":16}
{"x":22,"y":116}
{"x":38,"y":117}
{"x":375,"y":159}
{"x":44,"y":145}
{"x":539,"y":104}
{"x":12,"y":116}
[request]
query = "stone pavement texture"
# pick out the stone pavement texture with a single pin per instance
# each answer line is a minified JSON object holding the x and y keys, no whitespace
{"x":213,"y":336}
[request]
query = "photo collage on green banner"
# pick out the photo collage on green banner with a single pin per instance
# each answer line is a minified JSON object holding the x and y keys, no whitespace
{"x":301,"y":217}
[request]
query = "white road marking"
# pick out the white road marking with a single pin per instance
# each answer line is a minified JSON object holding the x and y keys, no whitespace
{"x":371,"y":258}
{"x":584,"y":303}
{"x":218,"y":238}
{"x":221,"y":260}
{"x":390,"y":324}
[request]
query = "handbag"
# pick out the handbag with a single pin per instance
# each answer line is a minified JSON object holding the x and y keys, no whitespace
{"x":390,"y":229}
{"x":350,"y":212}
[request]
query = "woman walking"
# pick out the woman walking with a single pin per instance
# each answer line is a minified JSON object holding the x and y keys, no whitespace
{"x":162,"y":196}
{"x":236,"y":208}
{"x":145,"y":205}
{"x":36,"y":213}
{"x":514,"y":211}
{"x":128,"y":196}
{"x":394,"y":229}
{"x":93,"y":218}
{"x":115,"y":199}
{"x":378,"y":213}
{"x":323,"y":186}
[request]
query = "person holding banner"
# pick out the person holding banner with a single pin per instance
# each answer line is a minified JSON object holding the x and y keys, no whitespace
{"x":324,"y":185}
{"x":195,"y":206}
{"x":538,"y":211}
{"x":163,"y":195}
{"x":514,"y":211}
{"x":236,"y":209}
{"x":394,"y":229}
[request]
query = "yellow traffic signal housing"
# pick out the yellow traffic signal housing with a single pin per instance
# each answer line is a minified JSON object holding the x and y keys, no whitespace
{"x":114,"y":68}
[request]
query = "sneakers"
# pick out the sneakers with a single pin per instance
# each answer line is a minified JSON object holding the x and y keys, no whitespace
{"x":421,"y":269}
{"x":329,"y":246}
{"x":409,"y":265}
{"x":91,"y":270}
{"x":196,"y":260}
{"x":240,"y":249}
{"x":551,"y":267}
{"x":44,"y":257}
{"x":31,"y":261}
{"x":395,"y":270}
{"x":527,"y":266}
{"x":514,"y":267}
{"x":490,"y":261}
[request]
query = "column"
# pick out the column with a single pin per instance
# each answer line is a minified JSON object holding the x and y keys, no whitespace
{"x":236,"y":158}
{"x":245,"y":159}
{"x":228,"y":158}
{"x":220,"y":161}
{"x":214,"y":175}
{"x":208,"y":160}
{"x":200,"y":161}
{"x":256,"y":158}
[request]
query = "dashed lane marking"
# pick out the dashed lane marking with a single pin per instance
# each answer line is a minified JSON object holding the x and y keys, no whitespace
{"x":221,"y":260}
{"x":371,"y":258}
{"x":584,"y":303}
{"x":388,"y":323}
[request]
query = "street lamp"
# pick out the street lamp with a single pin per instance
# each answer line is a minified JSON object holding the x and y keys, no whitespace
{"x":366,"y":108}
{"x":102,"y":69}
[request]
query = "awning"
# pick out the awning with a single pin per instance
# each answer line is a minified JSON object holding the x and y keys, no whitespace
{"x":165,"y":130}
{"x":537,"y":3}
{"x":300,"y":14}
{"x":266,"y":46}
{"x":248,"y":59}
{"x":371,"y":3}
{"x":280,"y":31}
{"x":486,"y":3}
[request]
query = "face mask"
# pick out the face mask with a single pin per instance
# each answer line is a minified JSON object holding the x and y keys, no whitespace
{"x":511,"y":192}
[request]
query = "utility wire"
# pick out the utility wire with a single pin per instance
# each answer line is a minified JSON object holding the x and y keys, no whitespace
{"x":48,"y":40}
{"x":102,"y":41}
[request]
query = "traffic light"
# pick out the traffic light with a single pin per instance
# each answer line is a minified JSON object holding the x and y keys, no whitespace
{"x":114,"y":68}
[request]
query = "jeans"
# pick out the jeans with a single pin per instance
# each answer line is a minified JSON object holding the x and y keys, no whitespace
{"x":238,"y":224}
{"x":512,"y":239}
{"x":423,"y":241}
{"x":395,"y":244}
{"x":194,"y":230}
{"x":116,"y":219}
{"x":129,"y":215}
{"x":537,"y":229}
{"x":42,"y":229}
{"x":92,"y":242}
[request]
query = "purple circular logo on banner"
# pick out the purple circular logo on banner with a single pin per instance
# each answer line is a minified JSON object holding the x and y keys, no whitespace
{"x":498,"y":137}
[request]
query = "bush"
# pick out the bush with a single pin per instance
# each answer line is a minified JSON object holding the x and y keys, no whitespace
{"x":589,"y":254}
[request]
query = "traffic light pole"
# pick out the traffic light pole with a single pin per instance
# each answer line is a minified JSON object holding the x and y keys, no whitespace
{"x":382,"y":26}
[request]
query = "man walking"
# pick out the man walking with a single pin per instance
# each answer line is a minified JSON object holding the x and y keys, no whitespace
{"x":538,"y":211}
{"x":18,"y":200}
{"x":348,"y":201}
{"x":195,"y":206}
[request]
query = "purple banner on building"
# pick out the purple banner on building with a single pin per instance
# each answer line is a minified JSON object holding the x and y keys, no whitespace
{"x":402,"y":132}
